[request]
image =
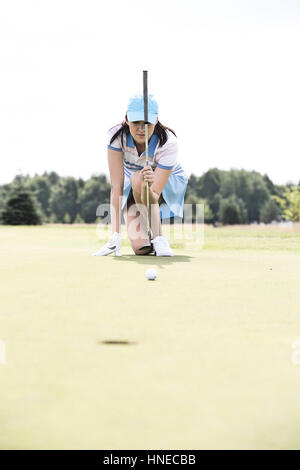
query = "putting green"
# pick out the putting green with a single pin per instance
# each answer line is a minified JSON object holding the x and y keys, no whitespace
{"x":209,"y":364}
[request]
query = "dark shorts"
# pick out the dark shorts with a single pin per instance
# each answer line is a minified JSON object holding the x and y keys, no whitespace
{"x":130,"y":199}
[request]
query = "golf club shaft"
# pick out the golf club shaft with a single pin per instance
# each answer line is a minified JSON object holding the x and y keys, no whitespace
{"x":145,"y":88}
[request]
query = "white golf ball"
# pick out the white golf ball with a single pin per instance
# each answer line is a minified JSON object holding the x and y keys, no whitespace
{"x":151,"y":274}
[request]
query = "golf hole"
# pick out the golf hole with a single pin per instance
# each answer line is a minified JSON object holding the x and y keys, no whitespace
{"x":117,"y":342}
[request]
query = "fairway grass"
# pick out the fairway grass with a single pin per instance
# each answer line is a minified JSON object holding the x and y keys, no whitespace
{"x":209,"y":360}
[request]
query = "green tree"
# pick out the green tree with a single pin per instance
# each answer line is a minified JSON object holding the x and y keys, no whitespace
{"x":67,"y":218}
{"x":215,"y":206}
{"x":210,"y":183}
{"x":57,"y":203}
{"x":96,"y":191}
{"x":52,"y":177}
{"x":290,"y":203}
{"x":4,"y":190}
{"x":81,"y":183}
{"x":41,"y":188}
{"x":232,"y":211}
{"x":21,"y":209}
{"x":52,"y":219}
{"x":248,"y":186}
{"x":64,"y":199}
{"x":71,"y":189}
{"x":79,"y":219}
{"x":270,"y":185}
{"x":208,"y":215}
{"x":269,"y":212}
{"x":193,"y":186}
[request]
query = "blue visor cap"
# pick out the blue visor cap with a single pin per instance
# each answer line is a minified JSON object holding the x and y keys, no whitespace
{"x":135,"y":108}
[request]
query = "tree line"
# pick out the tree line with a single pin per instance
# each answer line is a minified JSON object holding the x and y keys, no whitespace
{"x":229,"y":197}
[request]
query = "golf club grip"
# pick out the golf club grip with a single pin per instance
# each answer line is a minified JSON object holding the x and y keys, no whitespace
{"x":145,"y":87}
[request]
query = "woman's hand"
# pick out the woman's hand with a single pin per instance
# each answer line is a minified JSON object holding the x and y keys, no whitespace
{"x":148,"y":174}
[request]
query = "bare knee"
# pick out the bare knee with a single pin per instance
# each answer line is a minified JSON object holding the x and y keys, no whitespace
{"x":136,"y":181}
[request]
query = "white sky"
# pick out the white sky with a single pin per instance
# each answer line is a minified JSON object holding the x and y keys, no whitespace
{"x":226,"y":74}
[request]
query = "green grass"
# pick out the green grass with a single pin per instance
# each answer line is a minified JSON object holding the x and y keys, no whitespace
{"x":210,"y":361}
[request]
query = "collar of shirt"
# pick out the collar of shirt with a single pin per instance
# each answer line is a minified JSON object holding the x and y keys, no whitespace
{"x":151,"y":145}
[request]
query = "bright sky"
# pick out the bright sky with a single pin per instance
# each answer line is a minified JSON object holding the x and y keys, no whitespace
{"x":226,"y":75}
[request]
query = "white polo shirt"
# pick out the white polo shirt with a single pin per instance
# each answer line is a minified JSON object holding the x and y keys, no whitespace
{"x":164,"y":157}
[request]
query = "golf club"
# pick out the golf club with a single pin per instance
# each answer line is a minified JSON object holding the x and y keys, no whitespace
{"x":145,"y":93}
{"x":145,"y":87}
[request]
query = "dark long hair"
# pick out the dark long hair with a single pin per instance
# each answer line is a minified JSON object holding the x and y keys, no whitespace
{"x":159,"y":129}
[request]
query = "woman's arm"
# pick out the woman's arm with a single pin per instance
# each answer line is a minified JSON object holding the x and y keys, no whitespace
{"x":157,"y":180}
{"x":116,"y":170}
